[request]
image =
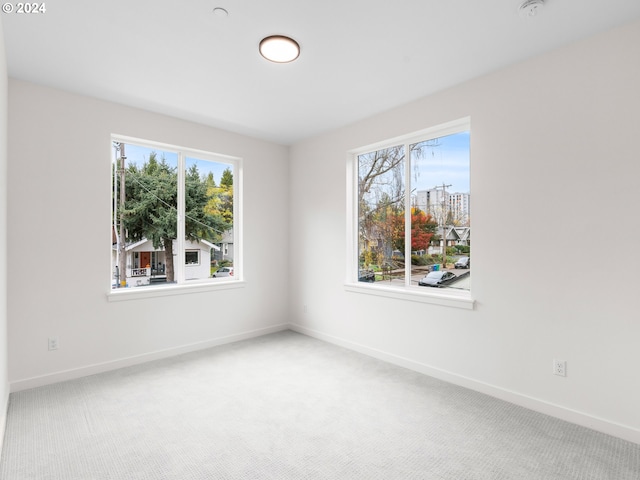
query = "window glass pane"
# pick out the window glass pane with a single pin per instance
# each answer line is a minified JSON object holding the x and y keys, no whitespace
{"x":381,"y":194}
{"x":208,"y":216}
{"x":192,"y":257}
{"x":143,"y":215}
{"x":440,"y":211}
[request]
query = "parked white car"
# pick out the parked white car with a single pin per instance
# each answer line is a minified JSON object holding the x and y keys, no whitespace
{"x":224,"y":272}
{"x":463,"y":262}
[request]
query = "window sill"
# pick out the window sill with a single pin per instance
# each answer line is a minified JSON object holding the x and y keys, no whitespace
{"x":445,"y":297}
{"x":124,"y":294}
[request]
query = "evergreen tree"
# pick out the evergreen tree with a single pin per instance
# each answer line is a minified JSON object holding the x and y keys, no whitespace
{"x":227,"y":178}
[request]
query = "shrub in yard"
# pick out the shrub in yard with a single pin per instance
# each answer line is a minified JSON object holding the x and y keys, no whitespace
{"x":419,"y":260}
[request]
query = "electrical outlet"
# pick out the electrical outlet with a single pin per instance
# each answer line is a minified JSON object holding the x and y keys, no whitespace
{"x":560,"y":367}
{"x":53,"y":343}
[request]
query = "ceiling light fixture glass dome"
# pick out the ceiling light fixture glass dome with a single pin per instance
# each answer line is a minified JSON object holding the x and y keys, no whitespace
{"x":279,"y":49}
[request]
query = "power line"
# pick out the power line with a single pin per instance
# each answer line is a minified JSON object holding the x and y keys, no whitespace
{"x":132,"y":176}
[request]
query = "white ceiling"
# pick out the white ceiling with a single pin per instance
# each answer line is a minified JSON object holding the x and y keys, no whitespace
{"x":359,"y":57}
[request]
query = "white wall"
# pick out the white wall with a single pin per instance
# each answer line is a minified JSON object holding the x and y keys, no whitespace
{"x":4,"y":383}
{"x":59,"y":210}
{"x":547,"y":137}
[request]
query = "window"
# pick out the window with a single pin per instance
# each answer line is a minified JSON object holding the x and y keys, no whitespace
{"x":411,"y":211}
{"x":170,"y":203}
{"x":192,"y":257}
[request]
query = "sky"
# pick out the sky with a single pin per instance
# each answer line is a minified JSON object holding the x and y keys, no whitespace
{"x":139,"y":155}
{"x":447,"y":163}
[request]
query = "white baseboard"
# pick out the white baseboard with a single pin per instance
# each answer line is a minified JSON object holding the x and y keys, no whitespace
{"x":71,"y":374}
{"x":579,"y":418}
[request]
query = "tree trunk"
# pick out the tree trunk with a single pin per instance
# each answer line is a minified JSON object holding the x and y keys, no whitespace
{"x":168,"y":256}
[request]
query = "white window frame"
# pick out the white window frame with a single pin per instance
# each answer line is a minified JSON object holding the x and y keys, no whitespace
{"x":444,"y":297}
{"x":193,"y":286}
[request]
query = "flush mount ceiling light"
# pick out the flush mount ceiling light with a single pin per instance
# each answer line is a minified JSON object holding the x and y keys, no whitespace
{"x":530,"y":8}
{"x":279,"y":49}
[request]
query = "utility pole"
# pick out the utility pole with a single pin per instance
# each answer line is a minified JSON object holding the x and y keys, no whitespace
{"x":122,"y":245}
{"x":443,"y":217}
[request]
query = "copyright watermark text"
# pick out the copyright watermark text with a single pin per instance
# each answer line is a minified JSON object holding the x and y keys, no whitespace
{"x":24,"y":8}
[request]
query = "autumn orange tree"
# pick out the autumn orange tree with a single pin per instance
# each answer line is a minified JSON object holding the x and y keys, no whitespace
{"x":423,"y":228}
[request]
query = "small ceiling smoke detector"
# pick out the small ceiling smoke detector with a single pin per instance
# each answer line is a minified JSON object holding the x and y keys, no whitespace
{"x":279,"y":49}
{"x":530,"y":8}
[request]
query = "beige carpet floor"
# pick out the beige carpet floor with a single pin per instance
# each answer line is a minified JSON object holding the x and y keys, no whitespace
{"x":287,"y":406}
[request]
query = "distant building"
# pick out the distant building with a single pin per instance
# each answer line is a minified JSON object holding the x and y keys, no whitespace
{"x":441,"y":204}
{"x":224,"y":250}
{"x":460,"y":208}
{"x":454,"y":236}
{"x":147,"y":264}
